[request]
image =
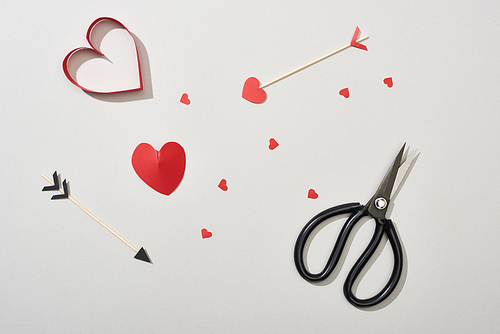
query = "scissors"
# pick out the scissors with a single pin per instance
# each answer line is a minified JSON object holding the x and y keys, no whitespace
{"x":376,"y":208}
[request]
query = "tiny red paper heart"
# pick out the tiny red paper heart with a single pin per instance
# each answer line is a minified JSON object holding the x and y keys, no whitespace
{"x":223,"y":184}
{"x":312,"y":194}
{"x":344,"y":92}
{"x":388,"y":82}
{"x":273,"y":144}
{"x":94,"y":49}
{"x":163,"y":170}
{"x":252,"y":91}
{"x":205,"y":233}
{"x":185,"y":99}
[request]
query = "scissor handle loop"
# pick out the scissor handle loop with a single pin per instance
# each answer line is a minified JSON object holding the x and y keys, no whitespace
{"x":357,"y":212}
{"x":382,"y":226}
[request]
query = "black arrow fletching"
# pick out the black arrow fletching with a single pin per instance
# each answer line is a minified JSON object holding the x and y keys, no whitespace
{"x":56,"y":183}
{"x":66,"y":192}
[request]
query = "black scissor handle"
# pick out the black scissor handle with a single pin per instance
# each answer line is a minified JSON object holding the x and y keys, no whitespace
{"x":382,"y":226}
{"x":357,"y":212}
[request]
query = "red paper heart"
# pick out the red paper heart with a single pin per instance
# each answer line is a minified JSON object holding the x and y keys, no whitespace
{"x":163,"y":170}
{"x":312,"y":194}
{"x":388,"y":82}
{"x":273,"y":144}
{"x":252,"y":92}
{"x":185,"y":99}
{"x":223,"y":184}
{"x":67,"y":59}
{"x":344,"y":92}
{"x":205,"y":233}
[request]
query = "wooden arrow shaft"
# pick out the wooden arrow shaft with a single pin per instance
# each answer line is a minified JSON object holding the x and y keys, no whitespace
{"x":310,"y":63}
{"x":93,"y":217}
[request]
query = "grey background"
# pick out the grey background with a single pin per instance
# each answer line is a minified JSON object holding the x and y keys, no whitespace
{"x":63,"y":273}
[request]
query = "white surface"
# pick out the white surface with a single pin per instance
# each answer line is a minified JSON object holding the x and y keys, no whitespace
{"x":61,"y":272}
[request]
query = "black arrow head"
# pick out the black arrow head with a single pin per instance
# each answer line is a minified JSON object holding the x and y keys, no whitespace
{"x":66,"y":192}
{"x":143,"y":256}
{"x":56,"y":183}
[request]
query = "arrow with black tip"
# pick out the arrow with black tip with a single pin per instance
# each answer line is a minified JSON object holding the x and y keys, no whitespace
{"x":141,"y":254}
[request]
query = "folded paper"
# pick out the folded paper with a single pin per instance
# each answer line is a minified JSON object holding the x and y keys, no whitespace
{"x":95,"y":50}
{"x":161,"y":170}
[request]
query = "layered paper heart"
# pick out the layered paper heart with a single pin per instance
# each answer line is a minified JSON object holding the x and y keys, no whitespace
{"x":77,"y":57}
{"x":161,"y":170}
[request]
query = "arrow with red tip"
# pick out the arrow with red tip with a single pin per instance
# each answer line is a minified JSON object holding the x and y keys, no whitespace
{"x":254,"y":92}
{"x":141,"y":254}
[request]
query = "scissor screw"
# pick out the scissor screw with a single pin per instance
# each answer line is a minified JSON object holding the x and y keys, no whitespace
{"x":380,"y":203}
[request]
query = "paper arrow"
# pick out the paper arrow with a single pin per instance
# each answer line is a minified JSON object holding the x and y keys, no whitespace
{"x":141,"y":254}
{"x":254,"y":92}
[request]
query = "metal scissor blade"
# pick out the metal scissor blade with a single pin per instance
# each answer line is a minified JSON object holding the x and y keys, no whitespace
{"x":385,"y":188}
{"x":377,"y":205}
{"x":403,"y":172}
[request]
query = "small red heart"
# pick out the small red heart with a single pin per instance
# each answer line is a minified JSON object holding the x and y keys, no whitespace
{"x":252,"y":91}
{"x":223,"y":184}
{"x":205,"y":233}
{"x":312,"y":194}
{"x":185,"y":99}
{"x":344,"y":92}
{"x":388,"y":82}
{"x":93,"y":49}
{"x":163,"y":170}
{"x":273,"y":144}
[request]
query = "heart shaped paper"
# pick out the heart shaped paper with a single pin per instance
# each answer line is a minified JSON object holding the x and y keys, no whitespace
{"x":223,"y":185}
{"x":312,"y":194}
{"x":185,"y":99}
{"x":273,"y":144}
{"x":95,"y":51}
{"x":344,"y":92}
{"x":206,"y":233}
{"x":161,"y":170}
{"x":252,"y":91}
{"x":388,"y":82}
